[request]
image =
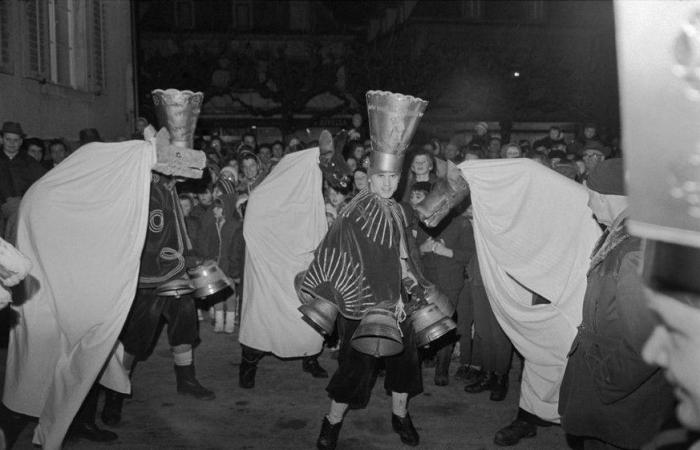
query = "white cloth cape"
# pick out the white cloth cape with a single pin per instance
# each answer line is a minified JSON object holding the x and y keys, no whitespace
{"x":83,"y":226}
{"x":534,"y":232}
{"x":285,"y":220}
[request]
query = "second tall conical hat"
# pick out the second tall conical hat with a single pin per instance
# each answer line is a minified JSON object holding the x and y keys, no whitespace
{"x":393,"y":120}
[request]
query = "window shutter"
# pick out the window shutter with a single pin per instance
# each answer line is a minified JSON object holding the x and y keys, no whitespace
{"x":36,"y":52}
{"x":96,"y":74}
{"x":5,"y":54}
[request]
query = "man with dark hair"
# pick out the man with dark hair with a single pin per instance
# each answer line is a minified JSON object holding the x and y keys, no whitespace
{"x":555,"y":136}
{"x":58,"y":151}
{"x":250,"y":140}
{"x":360,"y":266}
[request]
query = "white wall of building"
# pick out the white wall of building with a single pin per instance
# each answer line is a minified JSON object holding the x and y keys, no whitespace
{"x":48,"y":109}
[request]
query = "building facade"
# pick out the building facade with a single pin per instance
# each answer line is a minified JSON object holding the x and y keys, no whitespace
{"x":66,"y":65}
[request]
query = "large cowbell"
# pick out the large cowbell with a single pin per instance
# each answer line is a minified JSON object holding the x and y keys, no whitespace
{"x":207,"y":279}
{"x":378,"y":334}
{"x":316,"y":311}
{"x":430,"y":323}
{"x":430,"y":314}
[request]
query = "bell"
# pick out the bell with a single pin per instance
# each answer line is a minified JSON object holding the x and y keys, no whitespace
{"x":429,"y":324}
{"x":320,"y":314}
{"x":207,"y":279}
{"x":436,"y":297}
{"x":378,"y":334}
{"x":316,"y":311}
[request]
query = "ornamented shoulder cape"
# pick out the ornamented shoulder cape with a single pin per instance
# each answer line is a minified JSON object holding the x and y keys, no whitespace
{"x":358,"y":264}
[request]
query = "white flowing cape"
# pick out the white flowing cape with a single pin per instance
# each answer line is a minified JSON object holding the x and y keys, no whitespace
{"x":534,"y":232}
{"x":83,"y":226}
{"x":285,"y":220}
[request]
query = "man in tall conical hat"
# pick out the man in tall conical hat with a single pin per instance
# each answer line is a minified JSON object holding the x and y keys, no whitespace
{"x":361,"y":264}
{"x":83,"y":227}
{"x":165,"y":258}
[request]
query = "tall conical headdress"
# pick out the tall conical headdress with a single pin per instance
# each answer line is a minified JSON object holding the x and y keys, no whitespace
{"x":178,"y":112}
{"x":393,"y":119}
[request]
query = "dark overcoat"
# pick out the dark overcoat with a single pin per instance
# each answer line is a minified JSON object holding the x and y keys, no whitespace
{"x":608,"y":391}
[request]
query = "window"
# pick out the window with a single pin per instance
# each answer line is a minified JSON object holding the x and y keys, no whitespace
{"x":5,"y":51}
{"x":61,"y":41}
{"x":96,"y":43}
{"x":36,"y":52}
{"x":64,"y":42}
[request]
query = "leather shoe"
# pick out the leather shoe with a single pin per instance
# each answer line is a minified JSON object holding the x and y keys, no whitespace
{"x":513,"y":433}
{"x":312,"y":366}
{"x":404,"y":427}
{"x":187,"y":384}
{"x":91,"y":432}
{"x":485,"y":384}
{"x":499,"y":388}
{"x":469,"y":375}
{"x":328,"y":439}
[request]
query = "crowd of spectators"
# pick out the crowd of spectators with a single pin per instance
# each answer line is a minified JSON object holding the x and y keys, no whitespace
{"x":214,"y":208}
{"x":235,"y":168}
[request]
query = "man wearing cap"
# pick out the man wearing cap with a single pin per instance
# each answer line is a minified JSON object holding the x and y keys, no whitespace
{"x":17,"y":172}
{"x":481,"y":135}
{"x":361,"y":264}
{"x":593,"y":154}
{"x":609,"y":396}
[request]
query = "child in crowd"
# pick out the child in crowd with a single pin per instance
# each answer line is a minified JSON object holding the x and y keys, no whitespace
{"x":336,"y":199}
{"x":360,"y":179}
{"x":204,"y":200}
{"x":352,"y":163}
{"x":419,"y":191}
{"x":218,"y":229}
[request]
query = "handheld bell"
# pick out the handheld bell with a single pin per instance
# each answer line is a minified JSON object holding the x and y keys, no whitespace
{"x":378,"y":334}
{"x":207,"y":279}
{"x":429,"y":324}
{"x":435,"y":296}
